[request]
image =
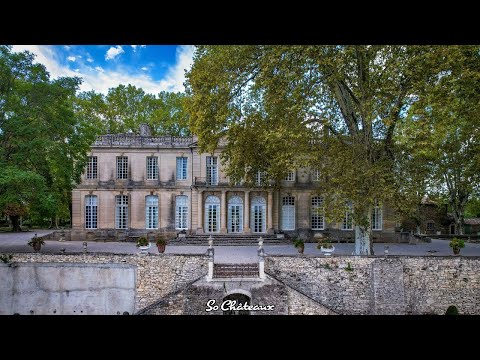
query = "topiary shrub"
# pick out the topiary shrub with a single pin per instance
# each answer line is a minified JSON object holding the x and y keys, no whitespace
{"x":452,"y":310}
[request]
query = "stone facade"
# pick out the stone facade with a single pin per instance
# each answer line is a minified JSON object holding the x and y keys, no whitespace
{"x":389,"y":285}
{"x":235,"y":208}
{"x":156,"y":275}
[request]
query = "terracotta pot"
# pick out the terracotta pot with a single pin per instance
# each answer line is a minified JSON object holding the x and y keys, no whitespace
{"x":456,"y":250}
{"x":37,"y":246}
{"x":161,"y":248}
{"x":300,"y":249}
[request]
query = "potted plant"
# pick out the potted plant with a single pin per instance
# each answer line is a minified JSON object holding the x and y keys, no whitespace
{"x":456,"y":244}
{"x":299,"y":244}
{"x":326,"y":247}
{"x":161,"y":243}
{"x":143,"y":244}
{"x":36,"y":243}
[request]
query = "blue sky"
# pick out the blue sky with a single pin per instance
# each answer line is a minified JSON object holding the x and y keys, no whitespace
{"x":154,"y":68}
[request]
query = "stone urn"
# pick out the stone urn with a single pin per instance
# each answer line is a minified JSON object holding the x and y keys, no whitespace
{"x":327,"y":251}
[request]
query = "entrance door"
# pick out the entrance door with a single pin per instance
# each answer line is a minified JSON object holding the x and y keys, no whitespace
{"x":235,"y":215}
{"x":212,"y":214}
{"x":288,"y":213}
{"x":258,"y":214}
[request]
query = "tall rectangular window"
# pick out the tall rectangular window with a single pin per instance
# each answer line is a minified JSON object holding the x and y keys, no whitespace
{"x":92,"y":171}
{"x":121,"y":212}
{"x":290,"y":176}
{"x":377,"y":216}
{"x":316,"y":175}
{"x":212,"y":171}
{"x":318,"y":218}
{"x":152,"y":168}
{"x":182,"y":168}
{"x":91,"y":212}
{"x":151,"y":212}
{"x":259,"y":178}
{"x":181,"y":212}
{"x":122,"y":167}
{"x":347,"y":220}
{"x":288,"y":213}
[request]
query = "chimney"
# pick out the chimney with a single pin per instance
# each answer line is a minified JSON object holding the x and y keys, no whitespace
{"x":145,"y":130}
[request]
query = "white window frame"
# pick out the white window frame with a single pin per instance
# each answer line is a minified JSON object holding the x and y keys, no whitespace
{"x":432,"y":223}
{"x":316,"y":175}
{"x":182,"y":168}
{"x":235,"y":210}
{"x":290,"y":176}
{"x":151,"y":212}
{"x":377,"y":216}
{"x":121,"y":212}
{"x":212,"y":214}
{"x":317,"y":218}
{"x":212,"y":170}
{"x":259,"y":177}
{"x":91,"y":211}
{"x":347,"y":223}
{"x":122,"y":167}
{"x":92,"y":168}
{"x":258,"y":212}
{"x":288,"y":213}
{"x":152,"y":167}
{"x":181,"y":212}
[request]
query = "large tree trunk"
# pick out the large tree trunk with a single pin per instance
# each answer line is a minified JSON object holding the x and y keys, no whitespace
{"x":363,"y":237}
{"x":15,"y":223}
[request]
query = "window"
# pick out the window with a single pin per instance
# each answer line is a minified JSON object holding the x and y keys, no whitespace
{"x":181,"y":168}
{"x":317,"y":220}
{"x":316,"y":175}
{"x":122,"y":167}
{"x":377,"y":216}
{"x":92,"y":167}
{"x":181,"y":212}
{"x":290,"y":176}
{"x":212,"y":173}
{"x":151,"y":212}
{"x":259,"y":178}
{"x":235,"y":215}
{"x":90,"y":212}
{"x":152,"y":168}
{"x":430,"y":226}
{"x":288,"y":213}
{"x":121,"y":211}
{"x":347,"y":220}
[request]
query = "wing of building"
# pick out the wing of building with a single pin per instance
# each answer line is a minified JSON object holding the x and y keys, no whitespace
{"x":138,"y":184}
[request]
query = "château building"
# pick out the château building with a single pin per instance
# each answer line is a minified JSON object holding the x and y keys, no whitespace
{"x":138,"y":184}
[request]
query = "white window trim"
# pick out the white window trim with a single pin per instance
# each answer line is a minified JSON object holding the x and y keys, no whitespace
{"x":348,"y":214}
{"x":122,"y":162}
{"x":290,"y":176}
{"x":147,"y":216}
{"x":94,"y":161}
{"x":96,"y":211}
{"x":377,"y":210}
{"x":183,"y":160}
{"x":180,"y":213}
{"x":121,"y":209}
{"x":153,"y":168}
{"x":313,"y":213}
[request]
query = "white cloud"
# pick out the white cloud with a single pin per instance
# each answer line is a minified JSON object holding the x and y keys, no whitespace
{"x":67,"y":47}
{"x":144,"y":68}
{"x":101,"y":80}
{"x":175,"y":76}
{"x":77,"y":70}
{"x":134,"y":47}
{"x":71,"y":58}
{"x":113,"y":52}
{"x":89,"y":59}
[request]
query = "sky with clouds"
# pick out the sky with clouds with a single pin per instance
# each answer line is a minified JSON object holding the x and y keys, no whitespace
{"x":154,"y":68}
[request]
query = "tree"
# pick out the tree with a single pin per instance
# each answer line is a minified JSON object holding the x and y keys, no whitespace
{"x":333,"y":108}
{"x":43,"y":141}
{"x":443,"y":127}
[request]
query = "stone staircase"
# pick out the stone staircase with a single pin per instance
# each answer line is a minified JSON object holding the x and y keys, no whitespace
{"x":229,"y":239}
{"x":235,"y":271}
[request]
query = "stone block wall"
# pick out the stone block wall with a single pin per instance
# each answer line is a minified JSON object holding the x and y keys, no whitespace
{"x":389,"y":285}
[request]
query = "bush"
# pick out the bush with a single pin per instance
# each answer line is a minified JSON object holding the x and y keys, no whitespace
{"x":142,"y":241}
{"x":456,"y":244}
{"x":325,"y":244}
{"x":298,"y":243}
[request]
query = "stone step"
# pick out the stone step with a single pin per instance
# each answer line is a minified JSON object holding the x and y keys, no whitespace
{"x":235,"y":271}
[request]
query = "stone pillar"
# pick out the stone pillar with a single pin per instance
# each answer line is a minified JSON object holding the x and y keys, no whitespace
{"x":246,"y":214}
{"x":223,"y":213}
{"x":261,"y":259}
{"x":200,"y":212}
{"x":270,"y":213}
{"x":210,"y":254}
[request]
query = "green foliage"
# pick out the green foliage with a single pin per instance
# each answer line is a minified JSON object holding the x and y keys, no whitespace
{"x":298,"y":243}
{"x":161,"y":240}
{"x":332,"y":108}
{"x":457,"y":243}
{"x":326,"y":244}
{"x":142,"y":241}
{"x":451,"y":310}
{"x":349,"y":267}
{"x":36,"y":241}
{"x":6,"y":258}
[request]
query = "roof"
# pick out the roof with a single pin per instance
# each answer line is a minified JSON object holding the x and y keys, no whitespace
{"x":472,"y":221}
